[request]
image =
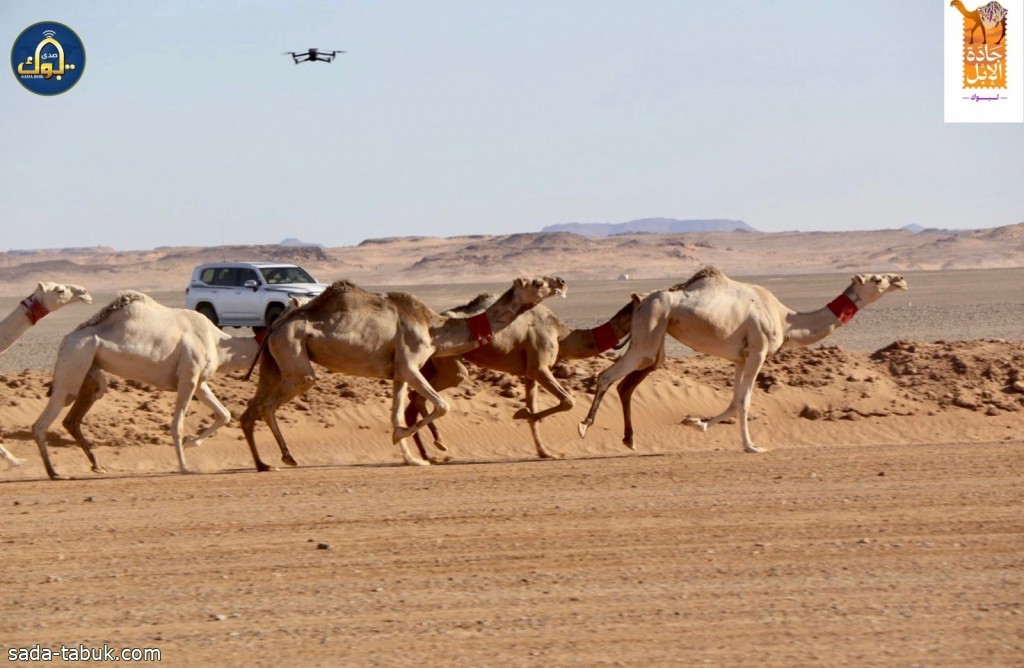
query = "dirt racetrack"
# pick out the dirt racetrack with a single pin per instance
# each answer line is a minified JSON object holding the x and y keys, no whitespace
{"x":883,"y":527}
{"x":879,"y":555}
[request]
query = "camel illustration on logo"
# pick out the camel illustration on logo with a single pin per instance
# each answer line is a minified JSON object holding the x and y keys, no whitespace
{"x":986,"y":18}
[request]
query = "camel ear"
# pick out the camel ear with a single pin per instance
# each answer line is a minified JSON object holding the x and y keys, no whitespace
{"x":521,"y":282}
{"x":859,"y":279}
{"x":634,"y":297}
{"x":39,"y":286}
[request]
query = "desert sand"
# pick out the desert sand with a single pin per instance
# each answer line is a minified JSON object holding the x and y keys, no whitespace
{"x":883,"y":527}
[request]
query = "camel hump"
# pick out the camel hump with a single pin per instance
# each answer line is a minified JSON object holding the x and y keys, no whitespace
{"x":336,"y":291}
{"x":709,"y":273}
{"x":481,"y":302}
{"x":119,"y":303}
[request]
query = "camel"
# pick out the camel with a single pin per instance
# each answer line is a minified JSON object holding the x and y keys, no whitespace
{"x":739,"y":322}
{"x":527,"y":348}
{"x":985,"y":17}
{"x":389,"y":335}
{"x":135,"y":337}
{"x":45,"y":299}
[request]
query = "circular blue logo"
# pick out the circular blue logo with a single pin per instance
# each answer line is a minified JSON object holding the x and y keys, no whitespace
{"x":48,"y":58}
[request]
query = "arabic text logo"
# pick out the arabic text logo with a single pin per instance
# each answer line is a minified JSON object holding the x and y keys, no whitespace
{"x":48,"y":58}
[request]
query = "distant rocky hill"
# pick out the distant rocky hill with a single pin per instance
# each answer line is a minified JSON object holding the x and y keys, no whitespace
{"x":652,"y":226}
{"x":409,"y":261}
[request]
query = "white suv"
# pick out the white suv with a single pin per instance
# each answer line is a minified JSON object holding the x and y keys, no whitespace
{"x":247,"y":294}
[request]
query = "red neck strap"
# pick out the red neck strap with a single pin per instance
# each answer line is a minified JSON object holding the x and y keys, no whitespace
{"x":260,"y":335}
{"x":480,"y":329}
{"x":604,"y":337}
{"x":34,"y":309}
{"x":843,"y":308}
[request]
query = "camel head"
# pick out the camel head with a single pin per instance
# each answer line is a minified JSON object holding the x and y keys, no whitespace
{"x":956,"y":3}
{"x":870,"y":287}
{"x":55,"y":295}
{"x":532,"y":291}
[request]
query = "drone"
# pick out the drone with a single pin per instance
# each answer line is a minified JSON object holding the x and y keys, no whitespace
{"x":312,"y":56}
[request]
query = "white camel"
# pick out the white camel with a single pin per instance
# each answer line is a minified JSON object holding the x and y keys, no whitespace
{"x":136,"y":338}
{"x":740,"y":322}
{"x":45,"y":299}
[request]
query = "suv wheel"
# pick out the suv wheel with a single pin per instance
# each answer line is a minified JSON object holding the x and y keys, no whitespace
{"x":273,"y":311}
{"x":208,"y":311}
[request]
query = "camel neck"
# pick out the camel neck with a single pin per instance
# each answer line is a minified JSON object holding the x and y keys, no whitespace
{"x":457,"y":336}
{"x":584,"y":343}
{"x":35,"y":310}
{"x":18,"y":322}
{"x":804,"y":329}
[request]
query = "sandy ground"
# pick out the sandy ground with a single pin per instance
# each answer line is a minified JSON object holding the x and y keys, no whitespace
{"x":883,"y":527}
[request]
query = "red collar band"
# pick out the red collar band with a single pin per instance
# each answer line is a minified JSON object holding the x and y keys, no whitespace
{"x":604,"y":337}
{"x":260,"y":335}
{"x":34,"y":309}
{"x":843,"y":308}
{"x":480,"y":330}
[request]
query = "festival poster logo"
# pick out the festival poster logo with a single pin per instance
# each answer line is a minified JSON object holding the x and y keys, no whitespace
{"x":48,"y":58}
{"x":984,"y":61}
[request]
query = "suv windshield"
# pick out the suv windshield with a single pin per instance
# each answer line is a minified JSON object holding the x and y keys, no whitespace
{"x":283,"y":275}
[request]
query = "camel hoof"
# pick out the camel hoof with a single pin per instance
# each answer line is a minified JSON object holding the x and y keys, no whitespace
{"x":399,"y":433}
{"x":98,"y":469}
{"x":14,"y":461}
{"x":582,"y":427}
{"x":417,"y":462}
{"x":263,"y":468}
{"x":56,"y":476}
{"x":191,"y":443}
{"x":289,"y":460}
{"x":544,"y":454}
{"x":442,"y":459}
{"x":753,"y":449}
{"x":522,"y":414}
{"x":440,"y":446}
{"x":629,"y":444}
{"x":696,"y":423}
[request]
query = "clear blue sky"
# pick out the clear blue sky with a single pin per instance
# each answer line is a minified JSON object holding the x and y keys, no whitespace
{"x":476,"y":116}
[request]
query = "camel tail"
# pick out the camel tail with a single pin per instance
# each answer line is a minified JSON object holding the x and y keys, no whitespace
{"x":256,"y":357}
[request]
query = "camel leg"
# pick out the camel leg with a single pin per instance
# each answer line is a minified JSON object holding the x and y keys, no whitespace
{"x":412,"y":413}
{"x":565,"y":403}
{"x":743,"y":386}
{"x":625,"y":365}
{"x":646,"y":347}
{"x":11,"y":459}
{"x":74,"y":363}
{"x":221,"y":416}
{"x":270,"y":415}
{"x":441,"y":373}
{"x":409,"y":374}
{"x":1002,"y":34}
{"x":704,"y":425}
{"x":745,"y":393}
{"x":398,"y":400}
{"x":187,"y":387}
{"x":625,"y":389}
{"x":531,"y":408}
{"x":416,"y":407}
{"x":274,"y":390}
{"x":94,"y":387}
